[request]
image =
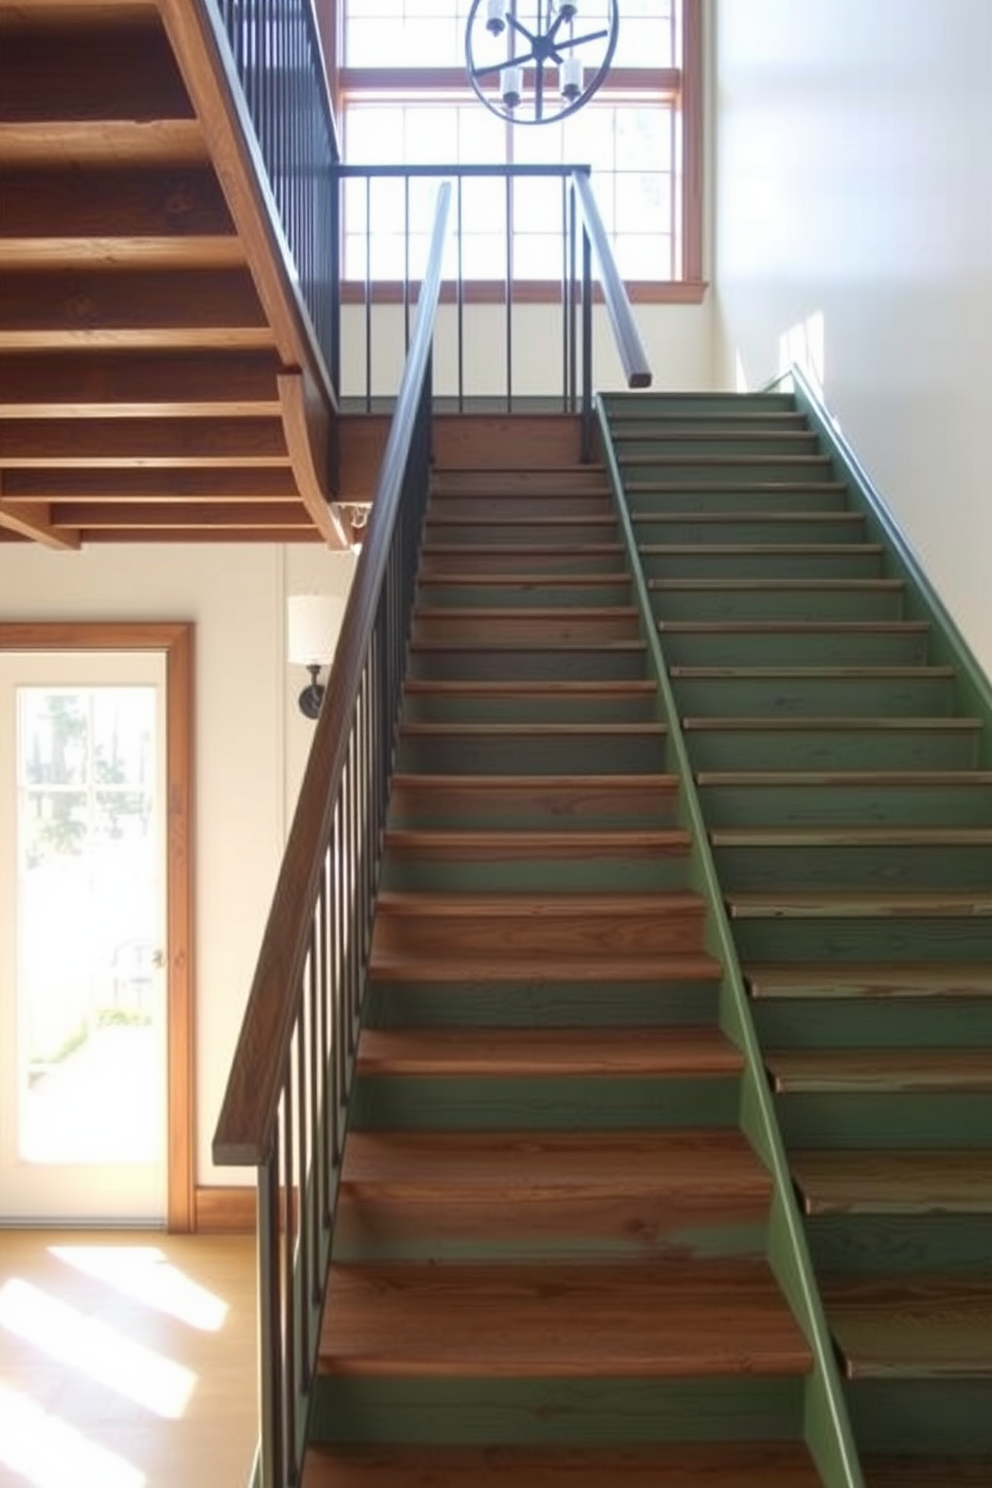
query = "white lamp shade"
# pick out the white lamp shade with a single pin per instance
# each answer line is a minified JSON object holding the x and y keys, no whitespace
{"x":313,"y":622}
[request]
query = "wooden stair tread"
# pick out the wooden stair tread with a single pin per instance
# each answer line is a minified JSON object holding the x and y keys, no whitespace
{"x":468,"y":519}
{"x":542,"y":969}
{"x":870,"y":979}
{"x":522,"y":612}
{"x":754,"y":514}
{"x":750,"y":1464}
{"x":911,"y":1326}
{"x":569,"y":1321}
{"x":634,"y":687}
{"x":523,"y":643}
{"x":887,"y":1471}
{"x":585,"y":903}
{"x":498,"y":841}
{"x":733,"y":460}
{"x":777,"y":586}
{"x":563,"y":549}
{"x":493,"y":730}
{"x":880,"y":1070}
{"x":527,"y":580}
{"x":507,"y":1052}
{"x":880,"y":904}
{"x":828,"y":778}
{"x":855,"y":836}
{"x":663,"y":783}
{"x":828,"y":723}
{"x":522,"y":1165}
{"x":794,"y":627}
{"x":715,"y":673}
{"x":894,"y":1181}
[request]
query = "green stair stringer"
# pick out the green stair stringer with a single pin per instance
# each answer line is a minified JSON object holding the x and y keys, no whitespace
{"x":946,"y":645}
{"x":826,"y":1423}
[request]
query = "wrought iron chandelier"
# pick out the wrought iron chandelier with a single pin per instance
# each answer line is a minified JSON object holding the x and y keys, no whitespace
{"x":537,"y":64}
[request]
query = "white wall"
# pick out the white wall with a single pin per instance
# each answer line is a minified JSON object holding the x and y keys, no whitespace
{"x":678,"y":340}
{"x":854,"y":210}
{"x":251,"y":741}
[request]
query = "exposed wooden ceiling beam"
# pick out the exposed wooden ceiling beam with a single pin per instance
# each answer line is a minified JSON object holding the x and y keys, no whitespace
{"x":307,"y":431}
{"x":107,"y":384}
{"x":33,"y":522}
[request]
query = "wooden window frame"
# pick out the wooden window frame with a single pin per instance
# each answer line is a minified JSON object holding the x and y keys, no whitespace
{"x":690,"y":288}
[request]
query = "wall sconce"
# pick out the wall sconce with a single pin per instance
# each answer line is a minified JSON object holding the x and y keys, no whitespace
{"x":312,"y":625}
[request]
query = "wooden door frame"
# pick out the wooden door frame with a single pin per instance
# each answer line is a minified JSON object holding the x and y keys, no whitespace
{"x":175,"y":639}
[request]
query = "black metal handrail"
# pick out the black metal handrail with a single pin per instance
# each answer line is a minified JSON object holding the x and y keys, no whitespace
{"x":277,"y":55}
{"x":286,"y":1103}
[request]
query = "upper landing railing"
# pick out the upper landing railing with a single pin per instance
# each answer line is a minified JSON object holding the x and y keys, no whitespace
{"x":336,"y":219}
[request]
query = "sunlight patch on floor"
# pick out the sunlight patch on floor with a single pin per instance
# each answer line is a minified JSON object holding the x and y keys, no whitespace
{"x":145,"y":1273}
{"x":49,"y":1453}
{"x":94,"y":1349}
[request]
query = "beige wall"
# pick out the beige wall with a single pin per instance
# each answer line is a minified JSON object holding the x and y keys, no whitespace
{"x":251,"y":740}
{"x":854,"y":230}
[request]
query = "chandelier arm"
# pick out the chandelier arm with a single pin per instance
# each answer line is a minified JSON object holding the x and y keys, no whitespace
{"x":589,"y":36}
{"x":492,"y":67}
{"x":516,"y":25}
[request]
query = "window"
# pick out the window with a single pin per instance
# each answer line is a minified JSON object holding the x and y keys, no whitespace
{"x":403,"y":99}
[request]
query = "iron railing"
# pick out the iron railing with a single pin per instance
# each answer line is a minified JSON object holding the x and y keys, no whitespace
{"x":277,"y":56}
{"x":286,"y":1101}
{"x":582,"y":241}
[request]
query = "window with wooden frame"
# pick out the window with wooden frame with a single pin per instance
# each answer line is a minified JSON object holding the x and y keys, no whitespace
{"x":402,"y":98}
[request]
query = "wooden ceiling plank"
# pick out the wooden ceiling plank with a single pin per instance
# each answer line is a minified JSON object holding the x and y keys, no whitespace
{"x":142,"y":483}
{"x":306,"y":427}
{"x":33,"y":522}
{"x":125,"y":71}
{"x":165,"y":515}
{"x":42,"y":309}
{"x":109,"y":384}
{"x":163,"y":442}
{"x":108,"y":202}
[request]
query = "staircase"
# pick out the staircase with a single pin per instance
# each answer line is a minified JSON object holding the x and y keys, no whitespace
{"x":837,"y":757}
{"x":549,"y":1259}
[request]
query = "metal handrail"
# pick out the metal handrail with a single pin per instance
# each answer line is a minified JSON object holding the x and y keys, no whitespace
{"x":633,"y":357}
{"x":286,"y":1103}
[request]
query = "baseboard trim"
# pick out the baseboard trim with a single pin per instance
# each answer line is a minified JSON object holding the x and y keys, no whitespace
{"x":224,"y":1211}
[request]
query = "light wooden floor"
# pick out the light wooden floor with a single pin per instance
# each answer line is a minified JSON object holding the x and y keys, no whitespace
{"x":127,"y":1360}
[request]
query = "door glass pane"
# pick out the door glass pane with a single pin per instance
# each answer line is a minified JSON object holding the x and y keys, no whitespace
{"x":88,"y":983}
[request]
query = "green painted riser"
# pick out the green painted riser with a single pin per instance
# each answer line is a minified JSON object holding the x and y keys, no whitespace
{"x":903,"y":1120}
{"x":522,"y":754}
{"x":888,"y":938}
{"x":605,"y":874}
{"x":620,"y":661}
{"x":736,"y":470}
{"x":584,"y":558}
{"x":535,"y":707}
{"x":714,"y":405}
{"x":735,"y":418}
{"x":817,"y":496}
{"x":383,"y":1103}
{"x":853,"y":645}
{"x":908,"y":696}
{"x":828,"y":866}
{"x":934,"y":1416}
{"x":508,"y":505}
{"x":821,"y":600}
{"x":673,"y":527}
{"x":602,"y":1004}
{"x":838,"y":561}
{"x":556,"y":1412}
{"x":504,"y":537}
{"x":872,"y":804}
{"x":894,"y":1244}
{"x":850,"y":748}
{"x":874,"y":1023}
{"x":722,"y":443}
{"x":524,"y":594}
{"x":559,"y":1230}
